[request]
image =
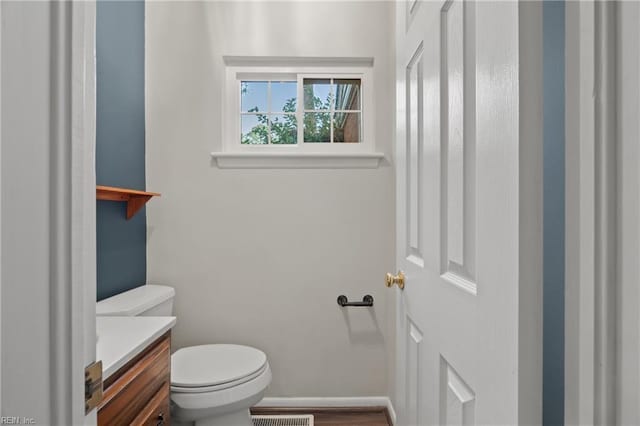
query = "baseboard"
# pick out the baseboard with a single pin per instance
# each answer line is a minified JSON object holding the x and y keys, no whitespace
{"x":330,"y":402}
{"x":356,"y":401}
{"x":391,"y":411}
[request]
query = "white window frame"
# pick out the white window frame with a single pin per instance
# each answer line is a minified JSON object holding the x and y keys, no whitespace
{"x":314,"y":155}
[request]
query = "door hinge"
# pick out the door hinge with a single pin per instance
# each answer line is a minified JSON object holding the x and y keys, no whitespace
{"x":92,"y":386}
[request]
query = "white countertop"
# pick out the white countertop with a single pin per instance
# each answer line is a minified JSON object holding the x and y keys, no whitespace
{"x":120,"y":339}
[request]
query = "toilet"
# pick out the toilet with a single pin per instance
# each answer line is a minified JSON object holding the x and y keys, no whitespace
{"x":211,"y":385}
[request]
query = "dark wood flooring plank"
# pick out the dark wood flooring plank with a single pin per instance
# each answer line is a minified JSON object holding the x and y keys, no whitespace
{"x":334,"y":416}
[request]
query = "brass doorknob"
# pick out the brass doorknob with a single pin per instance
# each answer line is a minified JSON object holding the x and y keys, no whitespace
{"x":395,"y":279}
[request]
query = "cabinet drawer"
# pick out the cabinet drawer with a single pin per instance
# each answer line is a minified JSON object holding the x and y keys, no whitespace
{"x":134,"y":386}
{"x":156,"y":413}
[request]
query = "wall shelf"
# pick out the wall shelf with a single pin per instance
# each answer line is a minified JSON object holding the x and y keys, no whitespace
{"x":135,"y":199}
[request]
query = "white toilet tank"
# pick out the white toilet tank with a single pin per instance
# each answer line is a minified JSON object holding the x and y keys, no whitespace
{"x":147,"y":300}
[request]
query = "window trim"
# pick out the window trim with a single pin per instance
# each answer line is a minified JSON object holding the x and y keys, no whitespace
{"x":235,"y":154}
{"x":293,"y":160}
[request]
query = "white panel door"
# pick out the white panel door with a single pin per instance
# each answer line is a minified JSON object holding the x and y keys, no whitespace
{"x":460,"y":182}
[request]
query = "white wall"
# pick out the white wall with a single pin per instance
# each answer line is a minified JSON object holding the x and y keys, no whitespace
{"x":258,"y":257}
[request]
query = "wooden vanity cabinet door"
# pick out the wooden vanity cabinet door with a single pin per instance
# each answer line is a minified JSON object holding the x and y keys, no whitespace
{"x":140,"y":387}
{"x":156,"y":413}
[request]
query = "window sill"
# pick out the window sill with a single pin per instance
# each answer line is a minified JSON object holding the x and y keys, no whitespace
{"x":289,"y":160}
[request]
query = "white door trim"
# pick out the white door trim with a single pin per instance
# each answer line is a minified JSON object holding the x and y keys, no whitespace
{"x":83,"y":198}
{"x":0,"y":208}
{"x":628,"y":244}
{"x":580,"y":213}
{"x":72,"y":188}
{"x":605,"y":214}
{"x":531,"y":163}
{"x":592,"y":214}
{"x":61,"y":328}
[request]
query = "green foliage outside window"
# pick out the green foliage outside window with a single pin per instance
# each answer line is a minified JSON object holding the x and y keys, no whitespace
{"x":284,"y":128}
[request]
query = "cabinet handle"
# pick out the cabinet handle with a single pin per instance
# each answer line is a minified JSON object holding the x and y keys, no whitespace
{"x":160,"y":419}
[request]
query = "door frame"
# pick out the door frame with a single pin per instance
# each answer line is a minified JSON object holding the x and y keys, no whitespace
{"x":602,"y":325}
{"x":579,"y":213}
{"x":1,"y":209}
{"x":628,"y":233}
{"x":83,"y":198}
{"x":60,"y":102}
{"x":72,"y":186}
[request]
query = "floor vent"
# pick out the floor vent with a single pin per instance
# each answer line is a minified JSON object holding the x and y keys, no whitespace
{"x":283,"y":420}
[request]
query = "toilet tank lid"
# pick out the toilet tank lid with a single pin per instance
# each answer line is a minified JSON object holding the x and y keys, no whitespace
{"x":135,"y":301}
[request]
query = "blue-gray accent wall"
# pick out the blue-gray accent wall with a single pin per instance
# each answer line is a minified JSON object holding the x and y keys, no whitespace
{"x":554,"y":219}
{"x":120,"y":143}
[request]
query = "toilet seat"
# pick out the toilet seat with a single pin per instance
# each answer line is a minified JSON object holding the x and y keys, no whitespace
{"x":236,"y":394}
{"x":208,"y":368}
{"x":181,"y":389}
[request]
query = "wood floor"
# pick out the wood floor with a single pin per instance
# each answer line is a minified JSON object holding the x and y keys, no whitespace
{"x":339,"y":416}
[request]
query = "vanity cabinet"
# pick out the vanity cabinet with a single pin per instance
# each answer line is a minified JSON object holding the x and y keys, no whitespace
{"x":138,"y":393}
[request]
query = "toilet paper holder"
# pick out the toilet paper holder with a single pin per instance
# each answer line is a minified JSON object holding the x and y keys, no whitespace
{"x":366,"y":301}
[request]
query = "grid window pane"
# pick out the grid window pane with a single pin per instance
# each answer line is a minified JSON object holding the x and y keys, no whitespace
{"x":317,"y":127}
{"x":255,"y":129}
{"x":284,"y":129}
{"x":318,"y":94}
{"x":332,"y":111}
{"x":346,"y":127}
{"x":347,"y":94}
{"x":283,"y":96}
{"x":253,"y":95}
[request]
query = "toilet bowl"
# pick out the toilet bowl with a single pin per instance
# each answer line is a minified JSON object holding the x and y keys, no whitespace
{"x":216,"y":384}
{"x":211,"y":385}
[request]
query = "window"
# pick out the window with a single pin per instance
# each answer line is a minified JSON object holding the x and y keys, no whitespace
{"x":298,"y":111}
{"x":331,"y":111}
